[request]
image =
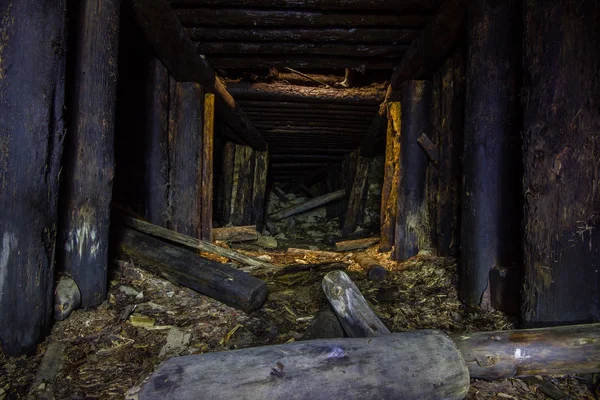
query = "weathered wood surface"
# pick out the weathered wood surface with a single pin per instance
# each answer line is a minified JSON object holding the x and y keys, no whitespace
{"x":156,"y":172}
{"x":32,"y":129}
{"x":425,"y":6}
{"x":320,"y":267}
{"x":291,"y":93}
{"x":214,"y":49}
{"x":371,"y":266}
{"x":226,"y":187}
{"x":88,"y":164}
{"x":435,"y":41}
{"x":197,"y":244}
{"x":551,"y":351}
{"x":206,"y":193}
{"x":491,"y":192}
{"x":429,"y":148}
{"x":185,"y":158}
{"x":235,"y":233}
{"x":303,"y":108}
{"x":309,"y":205}
{"x":353,"y":311}
{"x":357,"y":196}
{"x":356,"y":244}
{"x":413,"y":228}
{"x":243,"y":180}
{"x":561,"y":153}
{"x":244,"y":17}
{"x":409,"y":365}
{"x":320,"y":253}
{"x":259,"y":189}
{"x":172,"y":45}
{"x":325,"y":325}
{"x":299,"y":62}
{"x":391,"y":178}
{"x":219,"y":281}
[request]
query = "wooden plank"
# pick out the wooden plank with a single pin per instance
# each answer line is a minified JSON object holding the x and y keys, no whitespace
{"x":185,"y":158}
{"x":243,"y":17}
{"x":88,"y":163}
{"x":235,"y":233}
{"x":356,"y":244}
{"x":426,"y":365}
{"x":32,"y":129}
{"x":219,"y":281}
{"x":264,"y":105}
{"x":413,"y":225}
{"x":357,"y":196}
{"x":235,"y":61}
{"x":435,"y":41}
{"x":309,"y":205}
{"x":259,"y":190}
{"x":207,"y":167}
{"x":172,"y":45}
{"x":491,"y":214}
{"x":389,"y":193}
{"x":214,"y":48}
{"x":426,"y":6}
{"x":561,"y":153}
{"x":226,"y":188}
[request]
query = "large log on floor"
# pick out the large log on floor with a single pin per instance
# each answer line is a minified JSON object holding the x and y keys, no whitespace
{"x":569,"y":350}
{"x":32,"y":91}
{"x":409,"y":365}
{"x":357,"y":196}
{"x":491,"y":205}
{"x":412,"y":221}
{"x":185,"y":158}
{"x":561,"y":152}
{"x":89,"y":155}
{"x":219,"y":281}
{"x":356,"y":244}
{"x":309,"y":205}
{"x":389,"y":192}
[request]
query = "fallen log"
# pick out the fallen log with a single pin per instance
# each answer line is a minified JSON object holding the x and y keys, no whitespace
{"x":197,"y":244}
{"x":356,"y":244}
{"x":309,"y":205}
{"x":236,"y":233}
{"x":409,"y":365}
{"x":325,"y":325}
{"x":322,"y":267}
{"x":353,"y":311}
{"x":373,"y":269}
{"x":219,"y":281}
{"x":307,"y":252}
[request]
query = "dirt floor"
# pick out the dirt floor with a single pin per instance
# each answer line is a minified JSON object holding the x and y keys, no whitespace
{"x":108,"y":350}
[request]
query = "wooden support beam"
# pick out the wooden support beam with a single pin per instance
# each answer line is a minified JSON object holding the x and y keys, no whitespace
{"x":291,"y":93}
{"x":224,"y":201}
{"x":234,"y":61}
{"x":491,"y":201}
{"x":32,"y":130}
{"x":89,"y":148}
{"x":561,"y":152}
{"x":413,"y":231}
{"x":310,"y":126}
{"x":214,"y":49}
{"x":357,"y":196}
{"x":426,"y":365}
{"x":309,"y":205}
{"x":259,"y":190}
{"x":425,"y":6}
{"x":219,"y":281}
{"x":266,"y":105}
{"x":243,"y":180}
{"x":172,"y":45}
{"x":240,"y":17}
{"x":433,"y":44}
{"x":206,"y":194}
{"x":391,"y":178}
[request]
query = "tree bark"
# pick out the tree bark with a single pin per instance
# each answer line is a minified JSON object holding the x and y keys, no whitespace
{"x":561,"y":152}
{"x":89,"y":155}
{"x":219,"y":281}
{"x":32,"y":88}
{"x":389,"y":193}
{"x":413,"y":230}
{"x":491,"y":193}
{"x":206,"y":193}
{"x":426,"y":365}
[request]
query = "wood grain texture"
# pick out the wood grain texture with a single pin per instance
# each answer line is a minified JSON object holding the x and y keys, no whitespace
{"x":357,"y":196}
{"x":390,"y":5}
{"x":207,"y":167}
{"x":308,"y":205}
{"x":391,"y":177}
{"x":242,"y":212}
{"x":236,"y":233}
{"x":259,"y":189}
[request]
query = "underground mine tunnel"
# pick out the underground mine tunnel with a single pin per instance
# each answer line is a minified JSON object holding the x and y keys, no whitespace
{"x":319,"y":199}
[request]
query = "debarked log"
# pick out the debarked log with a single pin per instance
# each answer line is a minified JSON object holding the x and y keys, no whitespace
{"x":236,"y":233}
{"x":219,"y":281}
{"x":410,"y":365}
{"x":356,"y":244}
{"x":309,"y":205}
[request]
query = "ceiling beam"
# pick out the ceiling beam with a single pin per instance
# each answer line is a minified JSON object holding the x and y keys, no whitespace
{"x":172,"y":45}
{"x":436,"y":40}
{"x":232,"y":61}
{"x":296,"y":48}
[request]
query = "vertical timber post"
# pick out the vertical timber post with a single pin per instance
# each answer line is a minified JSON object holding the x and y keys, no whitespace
{"x":157,"y":147}
{"x":207,"y":166}
{"x":561,"y":162}
{"x":89,"y":153}
{"x":185,"y":157}
{"x":490,"y":224}
{"x":226,"y":186}
{"x":356,"y":196}
{"x":259,"y":191}
{"x":32,"y":62}
{"x":389,"y":194}
{"x":412,"y":222}
{"x":243,"y":182}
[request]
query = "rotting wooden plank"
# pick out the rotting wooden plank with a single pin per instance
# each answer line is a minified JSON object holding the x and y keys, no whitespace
{"x":389,"y":194}
{"x":357,"y":196}
{"x":219,"y":281}
{"x":309,"y":205}
{"x":207,"y":167}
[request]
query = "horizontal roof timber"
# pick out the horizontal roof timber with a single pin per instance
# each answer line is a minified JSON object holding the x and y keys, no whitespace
{"x":424,"y":6}
{"x":321,"y":35}
{"x":315,"y":112}
{"x":233,"y":61}
{"x":307,"y":150}
{"x":286,"y":48}
{"x":259,"y":104}
{"x":292,"y":18}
